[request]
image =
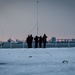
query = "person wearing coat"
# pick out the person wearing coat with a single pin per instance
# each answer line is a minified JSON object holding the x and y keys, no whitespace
{"x":40,"y":41}
{"x":44,"y":40}
{"x":36,"y":41}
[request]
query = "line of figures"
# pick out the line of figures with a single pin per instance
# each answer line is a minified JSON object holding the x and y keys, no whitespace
{"x":38,"y":41}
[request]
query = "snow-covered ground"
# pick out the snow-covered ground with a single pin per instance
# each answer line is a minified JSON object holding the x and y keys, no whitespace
{"x":33,"y":61}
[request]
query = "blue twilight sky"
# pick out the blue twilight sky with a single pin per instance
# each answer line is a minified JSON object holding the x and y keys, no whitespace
{"x":18,"y":18}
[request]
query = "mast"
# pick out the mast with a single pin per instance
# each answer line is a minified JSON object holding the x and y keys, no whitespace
{"x":37,"y":18}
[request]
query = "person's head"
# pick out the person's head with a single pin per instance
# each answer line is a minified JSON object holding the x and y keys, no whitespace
{"x":31,"y":35}
{"x":44,"y":34}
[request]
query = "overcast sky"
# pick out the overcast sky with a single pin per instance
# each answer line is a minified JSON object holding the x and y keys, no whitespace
{"x":18,"y":18}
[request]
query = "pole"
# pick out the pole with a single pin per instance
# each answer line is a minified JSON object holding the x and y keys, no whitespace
{"x":37,"y":17}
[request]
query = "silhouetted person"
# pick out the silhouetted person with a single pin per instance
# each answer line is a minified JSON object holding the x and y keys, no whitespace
{"x":27,"y":40}
{"x":31,"y":40}
{"x":36,"y":41}
{"x":40,"y":41}
{"x":44,"y":40}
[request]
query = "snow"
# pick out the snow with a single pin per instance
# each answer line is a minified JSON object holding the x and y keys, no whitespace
{"x":38,"y":61}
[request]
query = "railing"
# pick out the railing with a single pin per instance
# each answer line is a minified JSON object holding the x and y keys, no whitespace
{"x":48,"y":45}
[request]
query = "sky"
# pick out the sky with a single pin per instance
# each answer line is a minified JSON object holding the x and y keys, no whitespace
{"x":18,"y":18}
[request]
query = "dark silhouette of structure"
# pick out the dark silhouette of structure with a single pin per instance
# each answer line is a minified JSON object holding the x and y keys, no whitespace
{"x":40,"y":41}
{"x":44,"y":40}
{"x":53,"y":39}
{"x":36,"y":41}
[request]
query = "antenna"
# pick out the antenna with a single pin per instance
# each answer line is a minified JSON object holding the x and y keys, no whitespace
{"x":37,"y":17}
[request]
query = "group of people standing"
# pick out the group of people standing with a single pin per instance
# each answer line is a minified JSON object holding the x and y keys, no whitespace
{"x":38,"y":41}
